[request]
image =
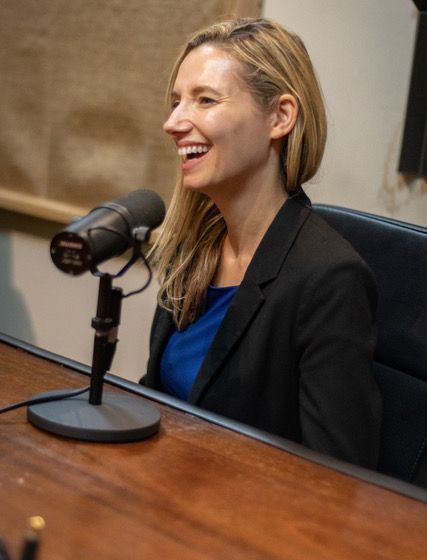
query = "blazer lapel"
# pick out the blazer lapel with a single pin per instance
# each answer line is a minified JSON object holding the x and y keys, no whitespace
{"x":264,"y":267}
{"x":245,"y":304}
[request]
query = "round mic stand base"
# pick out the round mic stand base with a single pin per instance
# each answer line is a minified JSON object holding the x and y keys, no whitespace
{"x":120,"y":418}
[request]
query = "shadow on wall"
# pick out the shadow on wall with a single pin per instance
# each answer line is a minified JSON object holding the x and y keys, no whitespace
{"x":15,"y":319}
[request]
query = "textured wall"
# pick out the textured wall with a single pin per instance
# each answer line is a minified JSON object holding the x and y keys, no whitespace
{"x":81,"y":97}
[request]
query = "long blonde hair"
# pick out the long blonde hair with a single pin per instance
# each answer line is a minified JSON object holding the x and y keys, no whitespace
{"x":274,"y":62}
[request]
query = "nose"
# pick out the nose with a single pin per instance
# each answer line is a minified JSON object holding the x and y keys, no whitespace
{"x":177,"y":123}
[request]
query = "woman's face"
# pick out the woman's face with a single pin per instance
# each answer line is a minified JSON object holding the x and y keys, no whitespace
{"x":222,"y":135}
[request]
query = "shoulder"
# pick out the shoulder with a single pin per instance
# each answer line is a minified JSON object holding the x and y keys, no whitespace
{"x":324,"y":247}
{"x":302,"y":251}
{"x":321,"y":264}
{"x":329,"y":267}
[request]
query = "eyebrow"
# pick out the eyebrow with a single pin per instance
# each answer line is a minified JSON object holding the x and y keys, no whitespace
{"x":199,"y":89}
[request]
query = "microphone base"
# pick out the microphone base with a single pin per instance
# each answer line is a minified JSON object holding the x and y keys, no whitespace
{"x":120,"y":418}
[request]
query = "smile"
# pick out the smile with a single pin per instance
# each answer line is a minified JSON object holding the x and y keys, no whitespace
{"x":192,"y":152}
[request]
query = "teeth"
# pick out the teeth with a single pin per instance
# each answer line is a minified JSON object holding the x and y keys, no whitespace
{"x":192,"y":150}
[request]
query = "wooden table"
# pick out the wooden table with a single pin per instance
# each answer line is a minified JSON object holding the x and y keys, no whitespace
{"x":196,"y":490}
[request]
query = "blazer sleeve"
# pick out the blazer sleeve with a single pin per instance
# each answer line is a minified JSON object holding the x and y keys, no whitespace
{"x":150,"y":373}
{"x":161,"y":328}
{"x":340,"y":404}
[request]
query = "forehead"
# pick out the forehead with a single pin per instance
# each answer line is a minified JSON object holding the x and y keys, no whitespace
{"x":211,"y":66}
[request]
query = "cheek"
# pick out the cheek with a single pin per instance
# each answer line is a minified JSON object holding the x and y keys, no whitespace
{"x":253,"y":138}
{"x":237,"y":134}
{"x":214,"y":127}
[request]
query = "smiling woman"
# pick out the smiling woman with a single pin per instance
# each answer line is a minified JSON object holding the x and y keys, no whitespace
{"x":265,"y":315}
{"x":214,"y":108}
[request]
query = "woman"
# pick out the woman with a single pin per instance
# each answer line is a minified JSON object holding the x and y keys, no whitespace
{"x":265,"y":314}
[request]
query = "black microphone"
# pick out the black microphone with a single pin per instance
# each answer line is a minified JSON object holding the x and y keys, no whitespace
{"x":107,"y":231}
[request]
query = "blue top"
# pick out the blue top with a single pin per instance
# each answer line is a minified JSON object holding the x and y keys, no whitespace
{"x":186,"y":350}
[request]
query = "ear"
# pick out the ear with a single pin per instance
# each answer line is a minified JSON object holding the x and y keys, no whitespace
{"x":284,"y":116}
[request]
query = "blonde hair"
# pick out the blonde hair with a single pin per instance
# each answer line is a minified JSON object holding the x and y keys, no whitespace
{"x":274,"y":62}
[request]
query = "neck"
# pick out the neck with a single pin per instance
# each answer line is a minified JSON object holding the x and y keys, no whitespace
{"x":247,"y":217}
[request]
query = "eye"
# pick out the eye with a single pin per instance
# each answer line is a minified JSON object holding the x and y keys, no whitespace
{"x":203,"y":100}
{"x":174,"y":104}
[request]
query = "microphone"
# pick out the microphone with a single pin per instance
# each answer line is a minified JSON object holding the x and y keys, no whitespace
{"x":107,"y":231}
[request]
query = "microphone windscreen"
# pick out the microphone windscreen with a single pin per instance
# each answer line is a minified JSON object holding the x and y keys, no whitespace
{"x":144,"y":206}
{"x":107,"y":231}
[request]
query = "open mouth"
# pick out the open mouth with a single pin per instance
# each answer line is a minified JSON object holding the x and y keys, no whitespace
{"x":193,"y":152}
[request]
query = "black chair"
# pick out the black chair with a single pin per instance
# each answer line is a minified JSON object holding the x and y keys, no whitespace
{"x":397,"y":255}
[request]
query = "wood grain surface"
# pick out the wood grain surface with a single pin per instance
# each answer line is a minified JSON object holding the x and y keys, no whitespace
{"x":193,"y":491}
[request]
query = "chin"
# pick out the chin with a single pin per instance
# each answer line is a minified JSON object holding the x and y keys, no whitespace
{"x":208,"y":188}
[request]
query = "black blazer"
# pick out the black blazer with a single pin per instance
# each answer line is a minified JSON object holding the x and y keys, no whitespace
{"x":293,"y":354}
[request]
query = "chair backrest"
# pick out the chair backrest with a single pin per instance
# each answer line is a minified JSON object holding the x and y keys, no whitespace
{"x":397,"y":255}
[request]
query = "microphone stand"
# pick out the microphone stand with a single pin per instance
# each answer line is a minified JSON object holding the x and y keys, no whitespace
{"x":106,"y":324}
{"x":114,"y":416}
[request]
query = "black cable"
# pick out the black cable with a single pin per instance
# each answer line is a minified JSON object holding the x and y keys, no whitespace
{"x":147,"y":282}
{"x":44,"y":399}
{"x":136,"y":255}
